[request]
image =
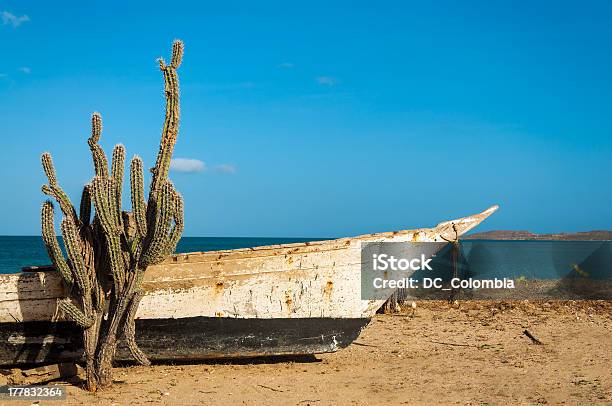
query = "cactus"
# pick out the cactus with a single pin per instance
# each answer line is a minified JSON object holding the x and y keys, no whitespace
{"x":107,"y":255}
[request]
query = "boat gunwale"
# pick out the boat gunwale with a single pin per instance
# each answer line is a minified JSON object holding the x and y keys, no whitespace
{"x":341,"y":243}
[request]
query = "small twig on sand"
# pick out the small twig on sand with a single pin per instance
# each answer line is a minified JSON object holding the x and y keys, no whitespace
{"x":532,"y":337}
{"x":454,"y":344}
{"x":308,"y":400}
{"x":272,"y":389}
{"x":364,"y":345}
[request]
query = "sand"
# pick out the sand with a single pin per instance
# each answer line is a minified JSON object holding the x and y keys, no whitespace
{"x":468,"y":353}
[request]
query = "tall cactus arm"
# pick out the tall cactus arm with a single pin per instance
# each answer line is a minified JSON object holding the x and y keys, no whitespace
{"x":85,"y":207}
{"x":177,"y":229}
{"x":98,"y":299}
{"x":48,"y":168}
{"x":96,"y":128}
{"x":99,"y":158}
{"x":62,"y":199}
{"x":116,"y":262}
{"x":51,"y":243}
{"x":101,"y":260}
{"x":73,"y":249}
{"x":171,"y":121}
{"x":101,"y":203}
{"x":115,"y":210}
{"x":177,"y":54}
{"x":117,"y":168}
{"x":106,"y":210}
{"x":139,"y":207}
{"x":54,"y":190}
{"x":157,"y":238}
{"x":105,"y":202}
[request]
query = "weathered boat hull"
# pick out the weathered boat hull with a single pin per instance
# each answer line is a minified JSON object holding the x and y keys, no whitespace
{"x":300,"y":298}
{"x":192,"y":338}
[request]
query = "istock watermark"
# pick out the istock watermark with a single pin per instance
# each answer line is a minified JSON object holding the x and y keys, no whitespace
{"x":383,"y":262}
{"x":387,"y":266}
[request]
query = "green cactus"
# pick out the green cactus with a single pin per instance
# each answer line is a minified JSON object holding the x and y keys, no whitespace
{"x":107,"y":255}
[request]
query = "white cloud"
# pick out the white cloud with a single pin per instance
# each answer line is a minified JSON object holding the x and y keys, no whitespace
{"x":326,"y":81}
{"x":286,"y":65}
{"x":12,"y":19}
{"x":226,"y":168}
{"x":187,"y":165}
{"x":25,"y":70}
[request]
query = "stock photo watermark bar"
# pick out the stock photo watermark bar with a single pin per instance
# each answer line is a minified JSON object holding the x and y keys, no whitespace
{"x":482,"y":269}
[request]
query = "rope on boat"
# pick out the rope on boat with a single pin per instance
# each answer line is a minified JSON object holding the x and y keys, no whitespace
{"x":456,"y":249}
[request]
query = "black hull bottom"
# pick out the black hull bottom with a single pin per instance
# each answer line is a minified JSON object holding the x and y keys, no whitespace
{"x":185,"y":339}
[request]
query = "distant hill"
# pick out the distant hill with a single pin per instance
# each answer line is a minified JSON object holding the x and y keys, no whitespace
{"x":527,"y":235}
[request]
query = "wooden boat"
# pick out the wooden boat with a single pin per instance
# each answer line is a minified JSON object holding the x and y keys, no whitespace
{"x":285,"y":299}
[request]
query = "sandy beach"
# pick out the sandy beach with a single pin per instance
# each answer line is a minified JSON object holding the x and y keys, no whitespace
{"x":464,"y":353}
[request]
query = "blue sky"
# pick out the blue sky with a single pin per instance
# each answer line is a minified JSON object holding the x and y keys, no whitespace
{"x":322,"y":119}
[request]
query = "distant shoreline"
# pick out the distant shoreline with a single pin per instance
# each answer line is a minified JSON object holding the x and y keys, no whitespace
{"x":596,"y":235}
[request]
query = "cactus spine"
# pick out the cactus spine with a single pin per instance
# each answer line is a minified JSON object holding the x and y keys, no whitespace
{"x":107,"y":255}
